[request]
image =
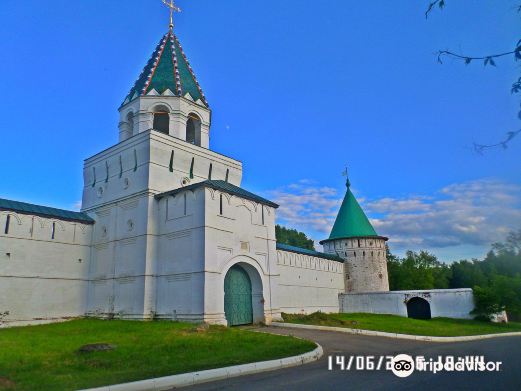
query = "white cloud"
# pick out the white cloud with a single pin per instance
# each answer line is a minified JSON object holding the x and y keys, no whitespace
{"x":474,"y":213}
{"x":306,"y":207}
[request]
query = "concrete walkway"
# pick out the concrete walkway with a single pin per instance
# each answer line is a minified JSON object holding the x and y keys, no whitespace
{"x":316,"y":376}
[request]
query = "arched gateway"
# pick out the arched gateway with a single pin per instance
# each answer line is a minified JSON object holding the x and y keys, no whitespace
{"x":418,"y":308}
{"x":238,"y":297}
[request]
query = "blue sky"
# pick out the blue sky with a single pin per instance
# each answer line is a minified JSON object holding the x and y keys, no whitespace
{"x":299,"y":89}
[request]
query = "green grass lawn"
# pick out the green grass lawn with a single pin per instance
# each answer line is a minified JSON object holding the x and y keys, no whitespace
{"x":47,"y":358}
{"x":443,"y":327}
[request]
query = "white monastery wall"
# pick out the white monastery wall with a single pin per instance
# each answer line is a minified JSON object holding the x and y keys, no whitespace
{"x":308,"y":284}
{"x":450,"y":303}
{"x":42,"y":278}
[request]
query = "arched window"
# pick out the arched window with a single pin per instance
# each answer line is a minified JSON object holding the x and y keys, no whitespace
{"x":162,"y":121}
{"x":130,"y":122}
{"x":193,"y":130}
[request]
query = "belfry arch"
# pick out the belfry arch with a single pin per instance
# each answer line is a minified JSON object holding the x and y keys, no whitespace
{"x":193,"y":129}
{"x":161,"y":119}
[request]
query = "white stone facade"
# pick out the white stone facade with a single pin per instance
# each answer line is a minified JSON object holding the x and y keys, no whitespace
{"x":43,"y":268}
{"x":365,"y":260}
{"x":308,"y":284}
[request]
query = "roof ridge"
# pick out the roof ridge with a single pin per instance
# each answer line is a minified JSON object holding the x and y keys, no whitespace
{"x":218,"y":184}
{"x":44,"y":211}
{"x":190,"y":69}
{"x":176,"y":66}
{"x":163,"y":73}
{"x":306,"y":251}
{"x":156,"y":63}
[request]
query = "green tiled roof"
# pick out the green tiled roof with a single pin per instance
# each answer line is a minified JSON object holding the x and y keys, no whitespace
{"x":305,"y":251}
{"x":224,"y":187}
{"x":167,"y":69}
{"x":44,"y":211}
{"x":351,"y":221}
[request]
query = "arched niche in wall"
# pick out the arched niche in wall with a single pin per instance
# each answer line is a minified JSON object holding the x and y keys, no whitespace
{"x":161,"y":119}
{"x":193,"y":129}
{"x":130,"y":123}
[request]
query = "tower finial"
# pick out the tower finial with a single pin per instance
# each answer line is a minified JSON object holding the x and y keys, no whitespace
{"x":173,"y":8}
{"x":344,"y":173}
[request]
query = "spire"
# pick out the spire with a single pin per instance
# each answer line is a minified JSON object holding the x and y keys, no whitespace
{"x":351,"y":220}
{"x":345,"y":173}
{"x":168,"y":72}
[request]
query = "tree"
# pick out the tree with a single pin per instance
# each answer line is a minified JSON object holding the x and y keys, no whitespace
{"x":503,"y":294}
{"x":487,"y":60}
{"x":417,"y":271}
{"x":293,"y":237}
{"x":467,"y":274}
{"x":496,"y":280}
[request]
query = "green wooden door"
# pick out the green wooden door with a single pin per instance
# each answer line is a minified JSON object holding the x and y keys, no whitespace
{"x":237,"y":297}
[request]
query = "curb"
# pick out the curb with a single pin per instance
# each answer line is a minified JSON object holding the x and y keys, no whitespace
{"x":193,"y":378}
{"x":395,"y":335}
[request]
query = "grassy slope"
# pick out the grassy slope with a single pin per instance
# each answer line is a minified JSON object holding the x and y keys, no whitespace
{"x":396,"y":324}
{"x":46,"y":358}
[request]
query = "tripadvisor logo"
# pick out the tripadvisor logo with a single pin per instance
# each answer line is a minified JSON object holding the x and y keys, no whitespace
{"x":402,"y":365}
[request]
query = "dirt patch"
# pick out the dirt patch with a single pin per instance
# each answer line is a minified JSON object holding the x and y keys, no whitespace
{"x":6,"y":384}
{"x":96,"y":347}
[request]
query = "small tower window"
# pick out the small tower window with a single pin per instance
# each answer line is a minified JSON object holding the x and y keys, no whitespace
{"x":130,"y":122}
{"x":184,"y":204}
{"x":7,"y":223}
{"x":262,"y":211}
{"x":221,"y":204}
{"x":53,"y":232}
{"x":358,"y":242}
{"x":193,"y":130}
{"x":162,"y":121}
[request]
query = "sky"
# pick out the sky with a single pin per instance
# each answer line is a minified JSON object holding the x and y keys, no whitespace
{"x":299,"y":90}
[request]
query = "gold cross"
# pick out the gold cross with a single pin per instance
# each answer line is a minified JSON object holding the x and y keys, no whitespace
{"x":173,"y":8}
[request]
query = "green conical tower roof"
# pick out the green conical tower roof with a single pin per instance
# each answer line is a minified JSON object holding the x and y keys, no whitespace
{"x":351,"y":221}
{"x":168,"y":72}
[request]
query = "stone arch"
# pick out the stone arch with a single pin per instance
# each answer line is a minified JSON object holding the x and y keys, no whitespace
{"x":13,"y":214}
{"x":161,"y":118}
{"x":193,"y":129}
{"x":129,"y":119}
{"x":255,"y":274}
{"x":418,"y":308}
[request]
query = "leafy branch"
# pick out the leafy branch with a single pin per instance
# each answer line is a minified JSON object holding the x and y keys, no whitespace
{"x":480,"y":148}
{"x":439,"y":3}
{"x":487,"y":60}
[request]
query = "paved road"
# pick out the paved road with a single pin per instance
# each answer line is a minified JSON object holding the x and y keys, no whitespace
{"x":315,"y":376}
